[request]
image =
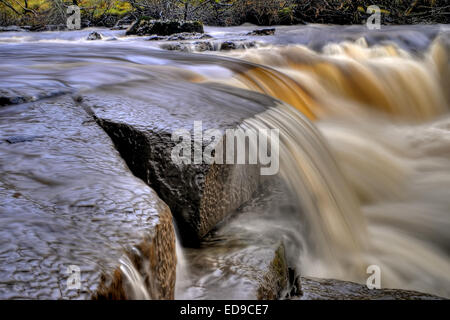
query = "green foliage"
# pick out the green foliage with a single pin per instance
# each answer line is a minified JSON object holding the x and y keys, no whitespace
{"x":223,"y":12}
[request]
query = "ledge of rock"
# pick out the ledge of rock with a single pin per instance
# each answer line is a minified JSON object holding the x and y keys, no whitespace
{"x":141,"y":122}
{"x":68,"y":199}
{"x":145,"y":26}
{"x":247,"y":254}
{"x":94,"y":35}
{"x":262,"y":32}
{"x":330,"y":289}
{"x":13,"y":29}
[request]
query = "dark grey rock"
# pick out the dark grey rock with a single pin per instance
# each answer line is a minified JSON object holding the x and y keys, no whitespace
{"x":200,"y":46}
{"x":94,"y":35}
{"x":69,"y":199}
{"x":228,"y":45}
{"x":21,"y":95}
{"x":17,"y":139}
{"x":54,"y":27}
{"x":188,"y":36}
{"x":330,"y":289}
{"x":141,"y":122}
{"x":13,"y":29}
{"x":246,"y":256}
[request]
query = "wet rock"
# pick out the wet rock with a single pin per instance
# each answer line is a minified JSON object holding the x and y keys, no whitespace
{"x":275,"y":278}
{"x":24,"y":94}
{"x":156,"y":38}
{"x":262,"y":32}
{"x":330,"y":289}
{"x":94,"y":35}
{"x":188,"y":36}
{"x":176,"y":47}
{"x":200,"y":46}
{"x":295,"y":286}
{"x":17,"y":139}
{"x":54,"y":27}
{"x":6,"y":98}
{"x":228,"y":45}
{"x":141,"y":123}
{"x":144,"y":26}
{"x":238,"y":44}
{"x":69,"y":201}
{"x":180,"y":37}
{"x":121,"y":27}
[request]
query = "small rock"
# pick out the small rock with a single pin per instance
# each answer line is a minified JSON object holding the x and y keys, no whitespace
{"x":203,"y":46}
{"x":188,"y":36}
{"x":156,"y":38}
{"x":12,"y":29}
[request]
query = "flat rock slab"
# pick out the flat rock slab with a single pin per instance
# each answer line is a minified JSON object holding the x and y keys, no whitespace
{"x":246,"y":257}
{"x":141,"y":118}
{"x":330,"y":289}
{"x":68,"y":199}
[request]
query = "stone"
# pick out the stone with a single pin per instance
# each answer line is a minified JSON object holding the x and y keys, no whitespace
{"x":141,"y":122}
{"x":94,"y":35}
{"x":12,"y":96}
{"x":18,"y":139}
{"x":246,"y":256}
{"x":262,"y":32}
{"x":145,"y":26}
{"x":70,"y":201}
{"x":200,"y":46}
{"x":228,"y":45}
{"x":13,"y":29}
{"x":188,"y":36}
{"x":331,"y":289}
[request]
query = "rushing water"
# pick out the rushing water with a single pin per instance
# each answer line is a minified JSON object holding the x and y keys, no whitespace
{"x":364,"y":137}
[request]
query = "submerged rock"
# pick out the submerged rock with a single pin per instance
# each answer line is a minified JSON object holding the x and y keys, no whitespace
{"x":18,"y":139}
{"x":94,"y":35}
{"x":69,"y":204}
{"x":262,"y":32}
{"x":200,"y":46}
{"x":13,"y":29}
{"x":141,"y":123}
{"x":330,"y":289}
{"x":188,"y":36}
{"x":145,"y":26}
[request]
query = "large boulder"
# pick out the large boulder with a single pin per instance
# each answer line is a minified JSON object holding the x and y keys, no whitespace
{"x":145,"y":26}
{"x":69,"y":201}
{"x":141,"y":119}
